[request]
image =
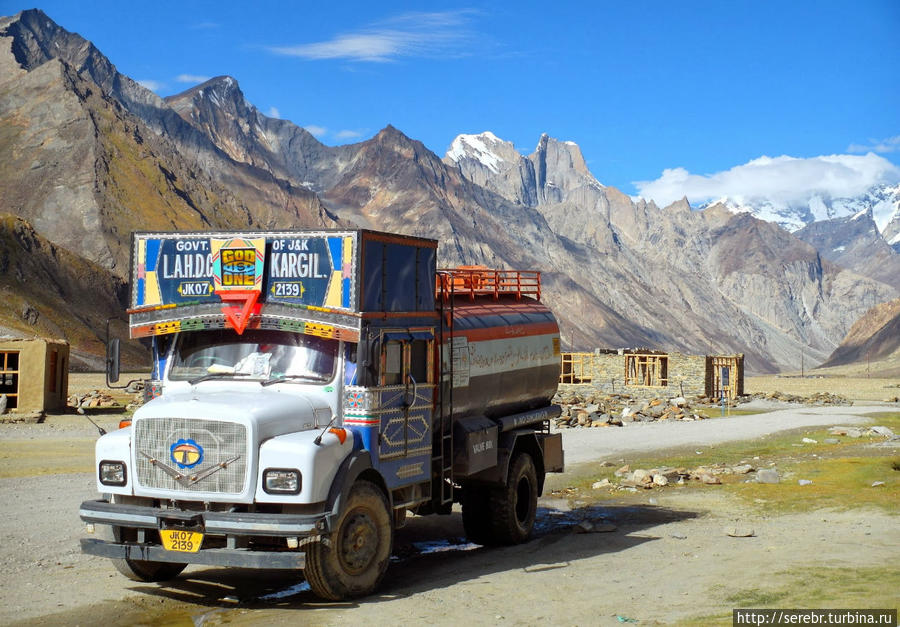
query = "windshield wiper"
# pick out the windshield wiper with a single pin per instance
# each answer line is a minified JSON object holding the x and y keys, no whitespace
{"x":217,"y":375}
{"x":292,"y":377}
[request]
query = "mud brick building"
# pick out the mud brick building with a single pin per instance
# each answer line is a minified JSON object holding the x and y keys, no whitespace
{"x":649,"y":373}
{"x":34,"y":374}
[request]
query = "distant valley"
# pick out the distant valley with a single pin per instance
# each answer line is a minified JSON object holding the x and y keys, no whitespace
{"x":91,"y":156}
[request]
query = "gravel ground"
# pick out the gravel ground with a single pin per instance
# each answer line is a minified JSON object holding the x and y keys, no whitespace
{"x":665,"y":562}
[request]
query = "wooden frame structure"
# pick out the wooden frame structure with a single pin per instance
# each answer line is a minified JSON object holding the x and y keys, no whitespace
{"x":732,"y":366}
{"x":9,"y":377}
{"x":577,"y":368}
{"x":647,"y":369}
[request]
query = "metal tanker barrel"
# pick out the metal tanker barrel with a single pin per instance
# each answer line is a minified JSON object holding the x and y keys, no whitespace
{"x":503,"y":353}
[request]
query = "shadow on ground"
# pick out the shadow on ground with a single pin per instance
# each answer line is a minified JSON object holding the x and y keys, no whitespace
{"x":429,"y":553}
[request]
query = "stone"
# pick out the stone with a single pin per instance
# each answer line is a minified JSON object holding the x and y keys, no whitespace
{"x":660,"y":480}
{"x":679,"y":401}
{"x":804,"y":482}
{"x":879,"y":430}
{"x":877,"y":484}
{"x":641,"y":476}
{"x":809,"y":441}
{"x":739,"y":532}
{"x":831,"y":441}
{"x":624,"y":470}
{"x":3,"y":403}
{"x":767,"y":475}
{"x":586,"y":526}
{"x":603,"y":483}
{"x":743,"y":469}
{"x":606,"y":464}
{"x":710,"y":479}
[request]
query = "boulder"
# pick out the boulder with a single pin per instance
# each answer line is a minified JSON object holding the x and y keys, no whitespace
{"x":767,"y":475}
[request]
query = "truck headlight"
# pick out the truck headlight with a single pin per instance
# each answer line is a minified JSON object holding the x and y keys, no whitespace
{"x":281,"y":481}
{"x":113,"y":473}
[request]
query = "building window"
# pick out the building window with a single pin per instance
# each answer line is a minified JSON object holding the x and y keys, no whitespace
{"x":646,"y":370}
{"x":9,"y":377}
{"x":577,"y":368}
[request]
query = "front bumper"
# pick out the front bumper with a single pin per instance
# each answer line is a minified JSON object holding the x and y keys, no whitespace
{"x":241,"y":558}
{"x":229,"y":524}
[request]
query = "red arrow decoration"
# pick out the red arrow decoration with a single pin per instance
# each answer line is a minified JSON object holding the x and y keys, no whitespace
{"x":237,"y":316}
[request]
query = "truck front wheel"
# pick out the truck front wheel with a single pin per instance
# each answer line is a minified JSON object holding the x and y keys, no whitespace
{"x":140,"y":570}
{"x":355,"y":560}
{"x":514,"y":506}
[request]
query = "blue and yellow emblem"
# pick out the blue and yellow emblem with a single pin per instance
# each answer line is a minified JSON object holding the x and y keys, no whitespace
{"x":186,"y":453}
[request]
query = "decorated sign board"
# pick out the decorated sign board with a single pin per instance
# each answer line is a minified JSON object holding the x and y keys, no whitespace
{"x":241,"y":273}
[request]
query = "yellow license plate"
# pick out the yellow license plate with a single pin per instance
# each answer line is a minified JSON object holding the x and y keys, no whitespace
{"x":180,"y":540}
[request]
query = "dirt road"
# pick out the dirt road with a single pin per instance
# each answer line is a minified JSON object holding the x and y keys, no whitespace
{"x":666,"y":560}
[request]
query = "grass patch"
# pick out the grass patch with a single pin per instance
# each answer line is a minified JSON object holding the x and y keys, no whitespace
{"x":820,"y":587}
{"x":842,"y":474}
{"x":889,"y":419}
{"x":841,"y":483}
{"x":813,"y":587}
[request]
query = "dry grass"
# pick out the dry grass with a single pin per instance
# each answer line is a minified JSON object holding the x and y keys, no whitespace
{"x":859,"y":388}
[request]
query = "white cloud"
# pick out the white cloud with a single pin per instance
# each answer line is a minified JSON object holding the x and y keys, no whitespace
{"x":890,"y":144}
{"x":273,"y":112}
{"x":347,"y":134}
{"x":151,"y":84}
{"x":407,"y":35}
{"x":192,"y":78}
{"x":317,"y":131}
{"x":784,"y":181}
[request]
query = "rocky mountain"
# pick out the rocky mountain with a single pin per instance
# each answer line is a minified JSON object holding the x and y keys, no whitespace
{"x":48,"y":291}
{"x":881,"y":203}
{"x":874,"y":337}
{"x":90,"y":145}
{"x":94,"y":156}
{"x":855,"y":242}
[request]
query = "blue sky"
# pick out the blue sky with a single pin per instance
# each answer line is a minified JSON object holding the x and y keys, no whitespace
{"x":695,"y":88}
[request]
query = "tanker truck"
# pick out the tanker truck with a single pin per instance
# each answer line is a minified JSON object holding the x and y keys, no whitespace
{"x":315,"y":388}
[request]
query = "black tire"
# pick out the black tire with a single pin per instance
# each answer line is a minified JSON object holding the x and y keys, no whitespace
{"x":476,"y":514}
{"x":514,"y":506}
{"x":356,"y":559}
{"x":140,"y":570}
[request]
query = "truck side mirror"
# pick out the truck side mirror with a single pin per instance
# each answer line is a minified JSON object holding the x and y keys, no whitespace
{"x":112,"y":361}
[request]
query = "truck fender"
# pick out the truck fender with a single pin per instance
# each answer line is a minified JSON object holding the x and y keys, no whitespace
{"x":512,"y":442}
{"x":357,"y":466}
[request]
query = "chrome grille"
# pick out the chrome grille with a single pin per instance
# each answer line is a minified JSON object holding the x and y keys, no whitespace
{"x":219,"y":440}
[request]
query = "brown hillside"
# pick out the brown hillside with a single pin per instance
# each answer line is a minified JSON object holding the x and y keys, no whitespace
{"x":47,"y":291}
{"x":875,"y":336}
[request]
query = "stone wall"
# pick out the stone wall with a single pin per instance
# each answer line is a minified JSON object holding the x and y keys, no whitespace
{"x":687,"y":375}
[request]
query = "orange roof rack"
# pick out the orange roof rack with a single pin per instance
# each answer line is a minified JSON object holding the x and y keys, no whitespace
{"x":482,"y":281}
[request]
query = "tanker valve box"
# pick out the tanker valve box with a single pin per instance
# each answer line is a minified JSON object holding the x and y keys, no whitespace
{"x":551,"y":444}
{"x":475,"y":441}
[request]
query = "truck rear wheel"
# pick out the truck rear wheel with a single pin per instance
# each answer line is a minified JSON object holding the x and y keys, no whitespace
{"x":476,"y":514}
{"x":514,"y":506}
{"x":140,"y":570}
{"x":360,"y":548}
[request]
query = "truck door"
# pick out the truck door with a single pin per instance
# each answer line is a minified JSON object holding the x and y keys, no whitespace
{"x":406,"y":390}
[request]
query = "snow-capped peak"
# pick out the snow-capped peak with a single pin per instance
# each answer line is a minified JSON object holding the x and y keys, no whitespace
{"x":486,"y":148}
{"x":881,"y":202}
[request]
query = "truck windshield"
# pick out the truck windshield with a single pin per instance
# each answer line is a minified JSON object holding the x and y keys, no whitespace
{"x":257,"y":354}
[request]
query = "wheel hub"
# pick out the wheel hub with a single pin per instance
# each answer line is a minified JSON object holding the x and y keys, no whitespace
{"x":358,"y":542}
